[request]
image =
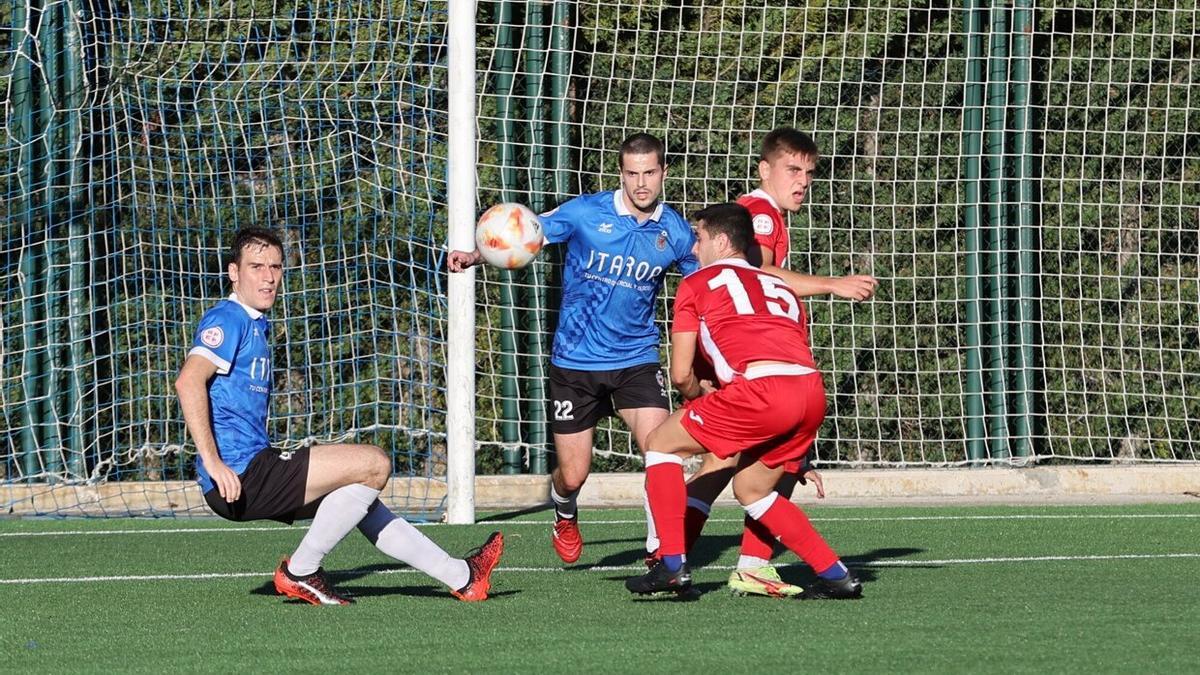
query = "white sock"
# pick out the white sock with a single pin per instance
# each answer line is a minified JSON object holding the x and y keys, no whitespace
{"x":749,"y":562}
{"x":758,"y":509}
{"x":397,"y":538}
{"x":338,"y":513}
{"x":651,"y":533}
{"x":564,"y":507}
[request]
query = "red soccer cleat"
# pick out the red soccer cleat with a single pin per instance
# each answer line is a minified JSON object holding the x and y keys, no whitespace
{"x":568,"y":543}
{"x":481,"y":562}
{"x":315,"y":588}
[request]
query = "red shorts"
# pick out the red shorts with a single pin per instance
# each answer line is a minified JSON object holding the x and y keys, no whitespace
{"x":774,"y":419}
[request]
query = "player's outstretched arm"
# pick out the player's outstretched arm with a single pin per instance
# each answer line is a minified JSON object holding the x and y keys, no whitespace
{"x":459,"y":261}
{"x":853,"y":287}
{"x":856,"y":287}
{"x":192,"y":387}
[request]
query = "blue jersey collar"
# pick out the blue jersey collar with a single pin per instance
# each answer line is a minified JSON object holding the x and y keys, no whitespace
{"x":254,"y":313}
{"x":622,"y":210}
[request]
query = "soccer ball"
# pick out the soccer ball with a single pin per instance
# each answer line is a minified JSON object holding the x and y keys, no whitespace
{"x":508,"y":236}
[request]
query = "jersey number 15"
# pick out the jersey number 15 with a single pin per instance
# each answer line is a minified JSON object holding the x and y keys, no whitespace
{"x":779,"y":298}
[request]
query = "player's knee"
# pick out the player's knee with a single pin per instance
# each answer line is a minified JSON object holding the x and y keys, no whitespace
{"x":378,"y":467}
{"x":573,"y":481}
{"x":747,"y":494}
{"x":656,"y":441}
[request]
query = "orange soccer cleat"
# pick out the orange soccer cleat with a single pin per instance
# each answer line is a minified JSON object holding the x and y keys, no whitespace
{"x":315,"y":588}
{"x":481,"y":562}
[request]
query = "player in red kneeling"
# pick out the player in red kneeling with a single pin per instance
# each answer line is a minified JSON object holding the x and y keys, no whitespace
{"x":769,"y":407}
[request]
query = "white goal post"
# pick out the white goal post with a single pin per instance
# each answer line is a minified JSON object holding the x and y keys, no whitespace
{"x":460,"y":288}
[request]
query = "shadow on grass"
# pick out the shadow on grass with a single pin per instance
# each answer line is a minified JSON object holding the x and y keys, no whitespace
{"x":359,"y":592}
{"x":707,"y":550}
{"x":860,"y":564}
{"x":342,"y":577}
{"x":509,"y":515}
{"x":710,"y":548}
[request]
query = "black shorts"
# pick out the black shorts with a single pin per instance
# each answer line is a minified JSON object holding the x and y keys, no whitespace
{"x":581,"y":398}
{"x":272,"y":489}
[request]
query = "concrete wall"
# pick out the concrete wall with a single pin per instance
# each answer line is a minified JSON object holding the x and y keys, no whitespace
{"x":1034,"y":485}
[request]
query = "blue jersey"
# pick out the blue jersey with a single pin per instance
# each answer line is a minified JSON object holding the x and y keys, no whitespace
{"x":614,"y":269}
{"x":233,"y":337}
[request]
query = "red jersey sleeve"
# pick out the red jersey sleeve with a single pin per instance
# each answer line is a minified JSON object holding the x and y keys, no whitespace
{"x":686,"y":313}
{"x":770,"y":231}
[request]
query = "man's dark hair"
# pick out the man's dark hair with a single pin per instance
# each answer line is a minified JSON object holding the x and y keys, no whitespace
{"x":249,"y":236}
{"x":644,"y":144}
{"x":729,"y":219}
{"x":787,"y":139}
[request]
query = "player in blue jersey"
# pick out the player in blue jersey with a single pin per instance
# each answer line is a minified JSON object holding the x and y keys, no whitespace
{"x":224,"y":388}
{"x":619,"y":246}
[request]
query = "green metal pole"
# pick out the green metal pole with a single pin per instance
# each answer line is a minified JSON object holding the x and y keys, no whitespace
{"x":21,"y":127}
{"x":972,"y":142}
{"x":1025,"y":400}
{"x":52,"y":367}
{"x":78,"y":308}
{"x":535,"y":41}
{"x":560,"y":76}
{"x":510,"y":430}
{"x":535,"y":64}
{"x":996,"y":256}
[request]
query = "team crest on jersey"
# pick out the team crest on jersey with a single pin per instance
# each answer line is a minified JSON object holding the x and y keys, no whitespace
{"x":763,"y":224}
{"x":212,"y":336}
{"x":661,"y":244}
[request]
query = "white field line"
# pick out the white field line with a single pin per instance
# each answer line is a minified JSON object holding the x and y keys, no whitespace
{"x":606,"y":568}
{"x":504,"y":523}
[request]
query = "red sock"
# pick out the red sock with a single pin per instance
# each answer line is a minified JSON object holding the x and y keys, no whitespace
{"x":667,"y":494}
{"x":693,"y":525}
{"x":757,"y":540}
{"x":789,"y":523}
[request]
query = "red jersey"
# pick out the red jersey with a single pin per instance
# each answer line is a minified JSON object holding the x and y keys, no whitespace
{"x":742,"y":315}
{"x":770,"y":230}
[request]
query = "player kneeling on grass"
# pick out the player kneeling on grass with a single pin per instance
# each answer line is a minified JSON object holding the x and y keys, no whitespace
{"x":769,"y":407}
{"x":225,"y":388}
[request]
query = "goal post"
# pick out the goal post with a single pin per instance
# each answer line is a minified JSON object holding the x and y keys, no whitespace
{"x":460,"y":288}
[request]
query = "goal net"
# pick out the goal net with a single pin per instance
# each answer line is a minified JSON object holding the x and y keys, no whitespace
{"x":1016,"y":176}
{"x":137,"y":141}
{"x":1019,"y":177}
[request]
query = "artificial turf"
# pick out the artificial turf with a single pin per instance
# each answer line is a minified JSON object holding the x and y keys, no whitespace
{"x":947,"y":589}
